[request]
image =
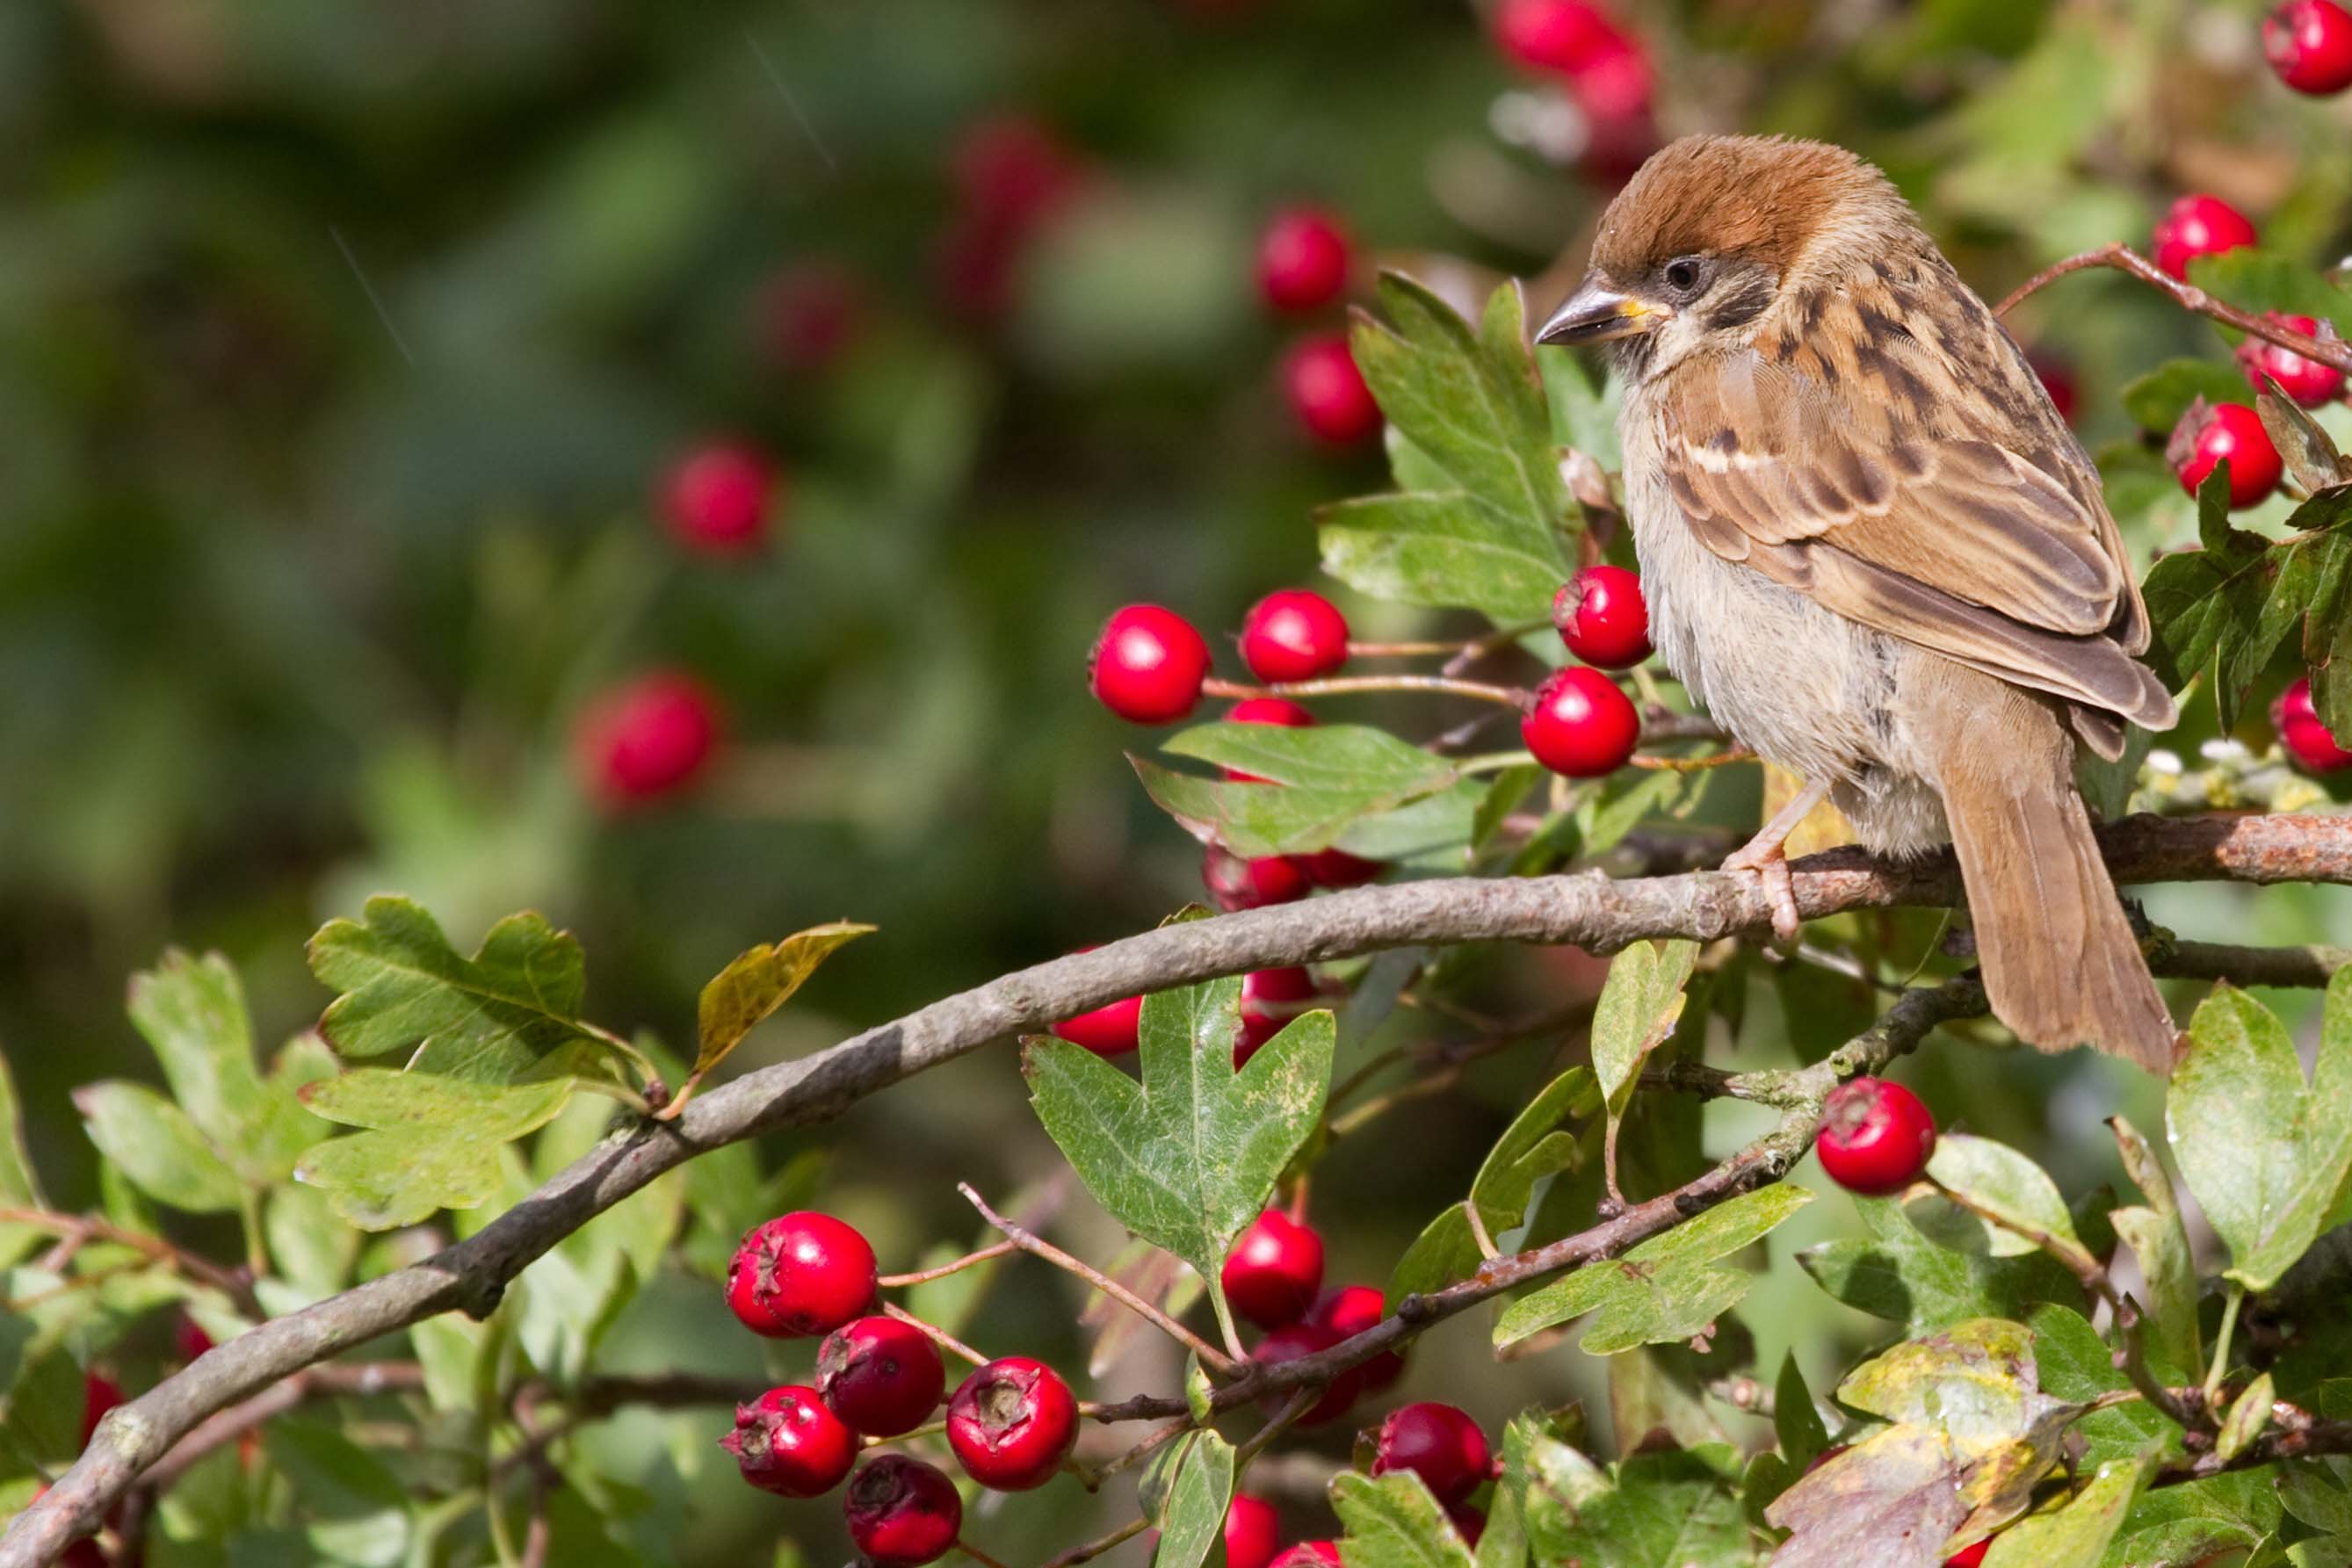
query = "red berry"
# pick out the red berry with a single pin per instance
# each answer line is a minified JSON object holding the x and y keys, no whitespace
{"x":1969,"y":1556}
{"x":1581,"y":725}
{"x":1109,"y":1031}
{"x":99,"y":1394}
{"x":1468,"y":1523}
{"x":1337,"y":867}
{"x":1272,"y":1274}
{"x":1552,"y":34}
{"x":880,"y":1376}
{"x":1012,"y":1422}
{"x":1309,"y":1554}
{"x":1270,"y":1000}
{"x":1602,"y":617}
{"x":810,"y":314}
{"x":2056,"y":374}
{"x":1348,"y":1312}
{"x":1011,"y":172}
{"x":1148,"y":664}
{"x":2198,"y":226}
{"x":1876,"y":1136}
{"x":1327,"y":391}
{"x":189,"y":1338}
{"x":2310,"y":382}
{"x":1614,"y":87}
{"x":788,"y":1443}
{"x":1302,"y":260}
{"x":2209,"y":432}
{"x":1289,"y":1343}
{"x":1293,"y":635}
{"x":800,"y":1274}
{"x":1439,"y":1443}
{"x":718,"y":498}
{"x":648,"y":739}
{"x":1252,"y":1531}
{"x":2309,"y":45}
{"x":902,"y":1512}
{"x":1270,"y":710}
{"x":2306,"y":739}
{"x":1234,"y":882}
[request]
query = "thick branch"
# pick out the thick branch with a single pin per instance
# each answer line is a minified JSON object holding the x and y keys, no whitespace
{"x":1587,"y":910}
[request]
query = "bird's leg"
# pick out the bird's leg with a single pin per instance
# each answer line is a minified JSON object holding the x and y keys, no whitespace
{"x":1766,"y":855}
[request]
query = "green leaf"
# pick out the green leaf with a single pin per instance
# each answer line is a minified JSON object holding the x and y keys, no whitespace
{"x":758,"y":982}
{"x":2081,"y":1531}
{"x":2264,"y":1154}
{"x":1670,"y":1509}
{"x":312,"y":1248}
{"x":2230,"y":604}
{"x":1529,"y":1149}
{"x":1337,"y":758}
{"x":2002,"y":1182}
{"x":191,"y":1011}
{"x":1437,"y":548}
{"x":508,"y":1015}
{"x":1266,"y":819}
{"x":1902,"y":1276}
{"x":2156,"y":401}
{"x":1583,"y":415}
{"x":355,"y":1510}
{"x":2188,"y":1522}
{"x":1640,"y":1001}
{"x":156,"y":1146}
{"x":1193,"y":1520}
{"x":1796,"y":1421}
{"x":2256,"y":279}
{"x":1393,"y":1522}
{"x":432,"y":1143}
{"x":1186,"y":1158}
{"x":2248,"y":1415}
{"x":19,"y":1188}
{"x":2159,"y":1240}
{"x":1975,"y":1383}
{"x":1148,"y":1271}
{"x":1667,"y":1288}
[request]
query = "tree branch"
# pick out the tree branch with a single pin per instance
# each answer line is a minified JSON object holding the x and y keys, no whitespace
{"x":1588,"y":910}
{"x":2188,"y":297}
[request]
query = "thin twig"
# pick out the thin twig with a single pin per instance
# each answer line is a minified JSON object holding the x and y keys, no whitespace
{"x":2188,"y":297}
{"x":82,"y":1228}
{"x":937,"y":1335}
{"x":1099,"y":1544}
{"x":925,"y":1276}
{"x":1349,"y":685}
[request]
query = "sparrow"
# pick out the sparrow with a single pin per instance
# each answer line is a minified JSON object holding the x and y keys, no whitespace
{"x":1875,"y":554}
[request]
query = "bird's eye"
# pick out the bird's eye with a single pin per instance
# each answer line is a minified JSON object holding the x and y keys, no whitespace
{"x":1685,"y":274}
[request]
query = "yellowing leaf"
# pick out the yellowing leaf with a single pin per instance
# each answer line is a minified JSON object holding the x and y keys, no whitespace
{"x":758,"y":982}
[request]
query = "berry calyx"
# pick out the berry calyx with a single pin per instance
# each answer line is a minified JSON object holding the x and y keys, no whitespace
{"x":1348,"y":1312}
{"x":1291,"y":1341}
{"x":1439,"y":1443}
{"x":1328,"y":393}
{"x":2209,"y":432}
{"x":902,"y":1512}
{"x":647,"y":739}
{"x":1971,"y":1555}
{"x":1148,"y":664}
{"x":1293,"y":635}
{"x":1302,"y":260}
{"x":2307,"y":740}
{"x":1580,"y":724}
{"x":1011,"y":1422}
{"x":1337,"y":868}
{"x":2309,"y":382}
{"x":2197,"y":226}
{"x":1876,"y":1136}
{"x":2309,"y":46}
{"x":1602,"y":617}
{"x":1270,"y":1000}
{"x":718,"y":498}
{"x":1273,"y":1271}
{"x":1252,"y":1531}
{"x":880,"y":1376}
{"x":788,"y":1443}
{"x":1552,"y":34}
{"x":1234,"y":882}
{"x":1309,"y":1554}
{"x":799,"y":1275}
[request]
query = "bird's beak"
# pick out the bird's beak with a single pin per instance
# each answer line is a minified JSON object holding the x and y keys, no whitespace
{"x":1595,"y":313}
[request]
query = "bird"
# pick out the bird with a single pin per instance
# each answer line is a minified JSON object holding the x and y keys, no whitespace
{"x":1875,"y":554}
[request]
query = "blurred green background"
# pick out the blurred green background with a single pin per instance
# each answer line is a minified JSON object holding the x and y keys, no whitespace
{"x":343,"y":347}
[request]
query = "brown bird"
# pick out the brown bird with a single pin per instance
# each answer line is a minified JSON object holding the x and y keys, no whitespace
{"x":1875,"y":552}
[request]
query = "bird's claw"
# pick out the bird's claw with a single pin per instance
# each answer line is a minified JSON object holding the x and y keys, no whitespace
{"x":1771,"y":868}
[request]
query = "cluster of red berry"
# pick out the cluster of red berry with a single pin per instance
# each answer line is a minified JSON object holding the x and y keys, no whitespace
{"x":2309,"y":45}
{"x":1304,"y":261}
{"x":1600,"y":64}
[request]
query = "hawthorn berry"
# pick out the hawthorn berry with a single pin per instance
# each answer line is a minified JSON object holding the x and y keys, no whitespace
{"x":1337,"y":868}
{"x":1439,"y":1443}
{"x":1971,"y":1555}
{"x":1291,"y":1341}
{"x":1876,"y":1136}
{"x":810,"y":314}
{"x":1293,"y":635}
{"x":100,"y":1393}
{"x":1235,"y":882}
{"x":2307,"y":738}
{"x":2197,"y":226}
{"x":1602,"y":617}
{"x":880,"y":1376}
{"x":1011,"y":172}
{"x":1148,"y":664}
{"x":1252,"y":1531}
{"x":1328,"y":393}
{"x":2309,"y":382}
{"x":1011,"y":1422}
{"x":901,"y":1512}
{"x":1302,"y":260}
{"x":1279,"y":711}
{"x":799,"y":1275}
{"x":788,"y":1443}
{"x":1273,"y":1271}
{"x":1270,"y":1000}
{"x":1614,"y":86}
{"x":2309,"y":46}
{"x":1552,"y":34}
{"x":1110,"y":1029}
{"x":2056,"y":374}
{"x":189,"y":1338}
{"x":1580,"y":724}
{"x":1468,"y":1523}
{"x":648,"y":739}
{"x":2209,"y":432}
{"x":718,"y":498}
{"x":1309,"y":1554}
{"x":1348,"y":1312}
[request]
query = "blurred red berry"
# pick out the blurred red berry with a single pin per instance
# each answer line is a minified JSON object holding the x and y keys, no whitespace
{"x":1011,"y":1422}
{"x":1876,"y":1136}
{"x":2209,"y":432}
{"x":1581,"y":725}
{"x":1234,"y":882}
{"x":788,"y":1443}
{"x":1148,"y":664}
{"x":880,"y":1376}
{"x":1253,"y":1532}
{"x":1468,"y":1523}
{"x":2198,"y":225}
{"x":2056,"y":374}
{"x":1969,"y":1556}
{"x":799,"y":1275}
{"x":99,"y":1394}
{"x":1293,"y":635}
{"x":1602,"y":617}
{"x":1327,"y":391}
{"x":1302,"y":260}
{"x":648,"y":739}
{"x":902,"y":1512}
{"x":719,"y":497}
{"x":2309,"y":382}
{"x":1337,"y":867}
{"x":1273,"y":1271}
{"x":2309,"y":45}
{"x":1013,"y":170}
{"x":810,"y":314}
{"x":1615,"y":86}
{"x":189,"y":1338}
{"x":1304,"y":1338}
{"x":1309,"y":1554}
{"x":1552,"y":34}
{"x":1348,"y":1312}
{"x":2300,"y":730}
{"x":1270,"y":710}
{"x":1270,"y":1000}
